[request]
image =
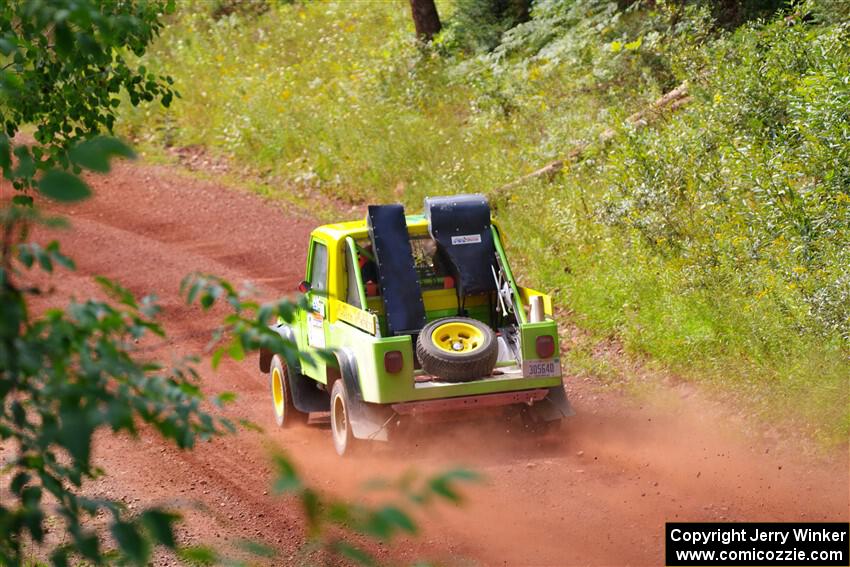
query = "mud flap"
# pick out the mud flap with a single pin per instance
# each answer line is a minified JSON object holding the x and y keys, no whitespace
{"x":554,"y":406}
{"x":368,"y":421}
{"x":306,"y":396}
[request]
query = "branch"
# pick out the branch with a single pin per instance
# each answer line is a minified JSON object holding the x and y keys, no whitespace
{"x":669,"y":102}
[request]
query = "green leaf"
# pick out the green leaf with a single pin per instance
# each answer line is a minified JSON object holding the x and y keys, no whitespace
{"x":44,"y":260}
{"x":353,"y":553}
{"x":398,"y":518}
{"x":160,"y":524}
{"x":22,"y":200}
{"x":117,"y":291}
{"x":75,"y":435}
{"x":224,"y":398}
{"x":236,"y":351}
{"x":386,"y":521}
{"x":88,"y":545}
{"x":207,"y":300}
{"x":63,"y":186}
{"x":634,"y":45}
{"x":250,"y":425}
{"x":59,"y":557}
{"x":195,"y":284}
{"x":340,"y":513}
{"x":442,"y":485}
{"x":18,"y":482}
{"x":6,"y":46}
{"x":58,"y":257}
{"x":26,"y":163}
{"x":25,"y":255}
{"x":131,"y":542}
{"x":460,"y":474}
{"x":198,"y":555}
{"x":312,"y":505}
{"x":64,"y":39}
{"x":256,"y":548}
{"x":287,"y":477}
{"x":5,"y":152}
{"x":95,"y":154}
{"x":215,"y":359}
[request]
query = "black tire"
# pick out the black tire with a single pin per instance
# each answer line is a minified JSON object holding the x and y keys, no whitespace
{"x":284,"y":410}
{"x":344,"y":441}
{"x":462,"y":366}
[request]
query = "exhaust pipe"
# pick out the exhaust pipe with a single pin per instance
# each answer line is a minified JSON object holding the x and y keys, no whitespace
{"x":536,"y":313}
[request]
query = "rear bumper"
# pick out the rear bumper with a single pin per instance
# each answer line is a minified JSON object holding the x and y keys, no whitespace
{"x":461,"y":403}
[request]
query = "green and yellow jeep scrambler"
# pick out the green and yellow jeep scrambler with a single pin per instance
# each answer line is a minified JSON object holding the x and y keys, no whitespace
{"x":423,"y":319}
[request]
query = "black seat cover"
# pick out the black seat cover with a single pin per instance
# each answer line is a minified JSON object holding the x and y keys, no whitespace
{"x":461,"y":227}
{"x":397,"y":275}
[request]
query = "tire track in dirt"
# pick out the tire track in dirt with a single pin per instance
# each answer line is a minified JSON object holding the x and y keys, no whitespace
{"x":596,"y":493}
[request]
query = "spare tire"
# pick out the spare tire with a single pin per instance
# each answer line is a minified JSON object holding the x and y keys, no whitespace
{"x":457,"y":349}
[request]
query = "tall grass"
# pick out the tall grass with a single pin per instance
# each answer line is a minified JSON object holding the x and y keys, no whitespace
{"x":715,"y":242}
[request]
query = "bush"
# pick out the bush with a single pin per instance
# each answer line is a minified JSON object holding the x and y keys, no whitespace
{"x":756,"y":173}
{"x":477,"y":25}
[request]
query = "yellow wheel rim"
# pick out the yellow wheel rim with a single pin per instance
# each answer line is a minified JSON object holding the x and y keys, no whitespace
{"x":277,"y":391}
{"x":457,"y":337}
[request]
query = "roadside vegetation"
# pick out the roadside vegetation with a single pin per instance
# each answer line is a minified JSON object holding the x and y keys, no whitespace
{"x":714,"y":242}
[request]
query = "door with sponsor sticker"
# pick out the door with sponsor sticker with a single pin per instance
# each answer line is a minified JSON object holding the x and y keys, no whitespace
{"x":315,"y":329}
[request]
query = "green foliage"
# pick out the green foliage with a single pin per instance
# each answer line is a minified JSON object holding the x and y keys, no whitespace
{"x":63,"y":66}
{"x":224,"y":8}
{"x":478,"y":25}
{"x":773,"y":122}
{"x":67,"y":373}
{"x":64,"y":375}
{"x":831,"y":11}
{"x":317,"y":97}
{"x":246,"y":328}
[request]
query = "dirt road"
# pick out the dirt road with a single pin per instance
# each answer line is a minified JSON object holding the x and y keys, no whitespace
{"x":596,"y":494}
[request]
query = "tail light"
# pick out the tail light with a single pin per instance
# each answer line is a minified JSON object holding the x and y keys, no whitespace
{"x":545,"y":346}
{"x":393,"y":361}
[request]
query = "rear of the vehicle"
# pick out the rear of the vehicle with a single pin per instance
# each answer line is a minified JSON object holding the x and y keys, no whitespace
{"x":452,"y":330}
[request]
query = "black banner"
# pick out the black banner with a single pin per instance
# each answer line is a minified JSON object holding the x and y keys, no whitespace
{"x":761,"y":544}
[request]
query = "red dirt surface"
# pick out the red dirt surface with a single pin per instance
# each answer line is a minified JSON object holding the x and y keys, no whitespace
{"x":596,"y":493}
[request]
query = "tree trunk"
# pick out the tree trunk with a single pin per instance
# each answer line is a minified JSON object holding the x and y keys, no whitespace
{"x":425,"y":19}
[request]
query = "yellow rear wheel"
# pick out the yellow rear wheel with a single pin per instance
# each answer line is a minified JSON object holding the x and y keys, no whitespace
{"x":277,"y":395}
{"x":285,"y":413}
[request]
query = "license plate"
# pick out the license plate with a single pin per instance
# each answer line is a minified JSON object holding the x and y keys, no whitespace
{"x":541,"y":368}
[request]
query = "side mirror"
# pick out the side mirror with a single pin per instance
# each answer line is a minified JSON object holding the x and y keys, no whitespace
{"x":304,"y":286}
